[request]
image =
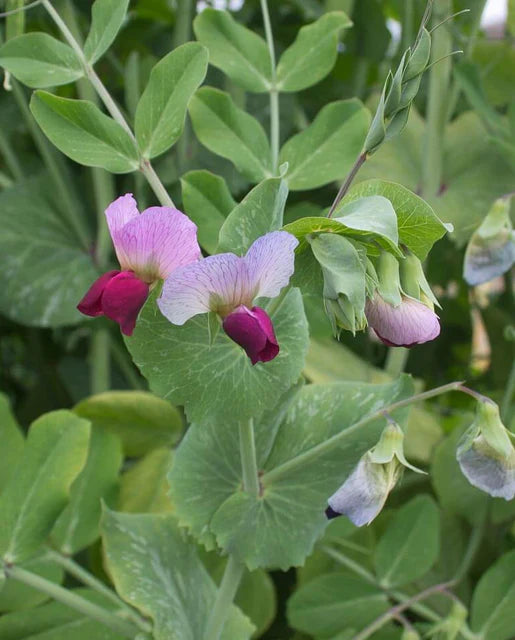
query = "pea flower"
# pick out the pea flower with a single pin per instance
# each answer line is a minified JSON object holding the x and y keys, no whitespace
{"x":149,"y":246}
{"x":362,"y":496}
{"x":228,"y":285}
{"x":401,"y":311}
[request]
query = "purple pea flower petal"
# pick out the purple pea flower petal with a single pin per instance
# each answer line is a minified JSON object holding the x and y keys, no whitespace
{"x":252,"y":329}
{"x":406,"y":325}
{"x":91,"y":303}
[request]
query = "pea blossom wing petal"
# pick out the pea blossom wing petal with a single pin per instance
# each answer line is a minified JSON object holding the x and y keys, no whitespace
{"x":270,"y":262}
{"x":158,"y":241}
{"x":217,"y":283}
{"x":118,"y":214}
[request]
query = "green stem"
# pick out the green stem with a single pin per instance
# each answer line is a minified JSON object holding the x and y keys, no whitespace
{"x":396,"y":361}
{"x":248,"y":457}
{"x":508,"y":395}
{"x":438,"y":92}
{"x":157,"y":186}
{"x":471,"y":550}
{"x":125,"y":365}
{"x":99,"y":362}
{"x":407,"y":25}
{"x":72,"y":600}
{"x":359,"y":82}
{"x":182,"y":33}
{"x":70,"y":204}
{"x":11,"y":160}
{"x":348,"y":181}
{"x":274,"y":94}
{"x":330,"y":443}
{"x":75,"y":570}
{"x":224,"y":598}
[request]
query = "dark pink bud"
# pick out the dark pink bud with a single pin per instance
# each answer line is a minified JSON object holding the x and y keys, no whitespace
{"x":119,"y":295}
{"x":252,"y":329}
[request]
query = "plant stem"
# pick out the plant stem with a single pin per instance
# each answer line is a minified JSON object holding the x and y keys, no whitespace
{"x":348,"y":181}
{"x":438,"y":92}
{"x":274,"y":94}
{"x":125,"y":365}
{"x":89,"y":580}
{"x":396,"y":361}
{"x":11,"y":160}
{"x":407,"y":25}
{"x":182,"y":32}
{"x":225,"y":596}
{"x":72,"y":600}
{"x":248,"y":457}
{"x":327,"y":445}
{"x":470,"y":551}
{"x":110,"y":104}
{"x":99,"y":362}
{"x":508,"y":395}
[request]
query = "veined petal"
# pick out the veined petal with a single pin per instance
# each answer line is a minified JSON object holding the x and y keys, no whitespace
{"x":118,"y":214}
{"x":156,"y":242}
{"x":270,"y":262}
{"x":218,"y":283}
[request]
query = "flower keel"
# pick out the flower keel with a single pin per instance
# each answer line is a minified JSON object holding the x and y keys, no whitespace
{"x":252,"y":329}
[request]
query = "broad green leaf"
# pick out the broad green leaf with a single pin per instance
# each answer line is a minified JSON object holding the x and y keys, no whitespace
{"x":258,"y":213}
{"x":16,"y":596}
{"x":237,"y":51}
{"x":54,"y":454}
{"x":231,"y":133}
{"x":12,"y":441}
{"x":280,"y":527}
{"x":141,"y":420}
{"x":56,"y":621}
{"x":327,"y":604}
{"x":157,"y":570}
{"x":78,"y":525}
{"x":144,"y":487}
{"x":82,"y":132}
{"x":161,"y":111}
{"x":207,"y":201}
{"x":411,"y":543}
{"x":313,"y":54}
{"x":493,"y":601}
{"x":217,"y":380}
{"x":107,"y":17}
{"x":419,"y":226}
{"x":39,"y":60}
{"x":326,"y":150}
{"x":45,"y":270}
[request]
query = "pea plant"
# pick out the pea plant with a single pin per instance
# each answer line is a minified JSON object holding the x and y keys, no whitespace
{"x":223,"y":288}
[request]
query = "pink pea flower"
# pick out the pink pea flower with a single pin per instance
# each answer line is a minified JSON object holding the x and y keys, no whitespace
{"x":405,"y":325}
{"x":149,"y":246}
{"x":228,"y":285}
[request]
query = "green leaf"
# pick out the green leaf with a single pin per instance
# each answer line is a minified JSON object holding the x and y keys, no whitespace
{"x":82,"y":132}
{"x":237,"y":51}
{"x":258,"y":213}
{"x":142,"y":421}
{"x":207,"y":201}
{"x":161,"y":110}
{"x":173,"y":588}
{"x":326,"y":150}
{"x":54,"y":454}
{"x":313,"y":54}
{"x":39,"y":60}
{"x":107,"y":17}
{"x":279,"y":527}
{"x":78,"y":525}
{"x":231,"y":133}
{"x":411,"y":543}
{"x":16,"y":596}
{"x":45,"y":271}
{"x":218,"y":381}
{"x":419,"y":226}
{"x":144,"y":487}
{"x":493,"y":601}
{"x":327,"y":604}
{"x":12,"y":441}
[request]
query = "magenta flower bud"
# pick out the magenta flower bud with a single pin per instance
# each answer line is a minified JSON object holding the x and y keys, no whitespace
{"x":119,"y":295}
{"x":149,"y":246}
{"x":252,"y":329}
{"x":408,"y":324}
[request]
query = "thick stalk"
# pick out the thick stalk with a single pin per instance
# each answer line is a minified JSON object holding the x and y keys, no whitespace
{"x":407,"y":25}
{"x":436,"y":117}
{"x":125,"y":365}
{"x":72,"y":600}
{"x":274,"y":94}
{"x":225,"y":596}
{"x":75,"y":570}
{"x":348,"y":181}
{"x":396,"y":361}
{"x":248,"y":457}
{"x":99,"y":362}
{"x":330,"y":443}
{"x":182,"y":33}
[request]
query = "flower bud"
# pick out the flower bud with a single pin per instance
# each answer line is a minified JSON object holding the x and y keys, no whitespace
{"x":252,"y":329}
{"x":362,"y":496}
{"x":486,"y":454}
{"x":491,"y":249}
